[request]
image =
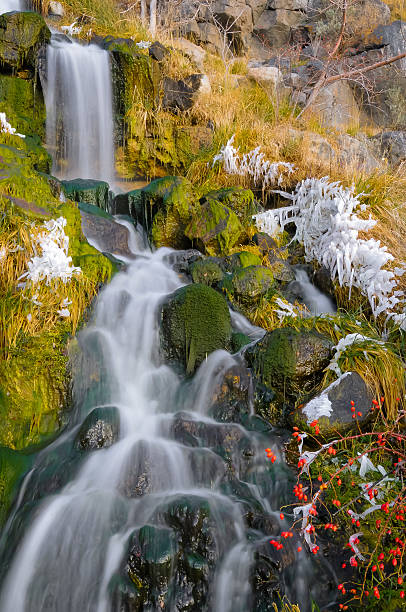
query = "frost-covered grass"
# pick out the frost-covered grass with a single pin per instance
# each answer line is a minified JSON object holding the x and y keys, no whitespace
{"x":328,"y":226}
{"x":7,"y":128}
{"x":253,"y":165}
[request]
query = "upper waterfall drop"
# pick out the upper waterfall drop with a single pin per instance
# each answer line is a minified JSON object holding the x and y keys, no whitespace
{"x":11,"y":5}
{"x":79,"y":105}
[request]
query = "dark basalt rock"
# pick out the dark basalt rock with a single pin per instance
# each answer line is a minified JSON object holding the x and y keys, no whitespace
{"x":100,"y":429}
{"x":179,"y":96}
{"x":105,"y":232}
{"x":232,"y":396}
{"x":181,"y":261}
{"x":349,"y":387}
{"x":158,"y":51}
{"x":289,"y":361}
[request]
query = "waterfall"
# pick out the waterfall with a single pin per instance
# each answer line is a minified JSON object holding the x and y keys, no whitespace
{"x":11,"y":5}
{"x":79,"y":110}
{"x":67,"y":540}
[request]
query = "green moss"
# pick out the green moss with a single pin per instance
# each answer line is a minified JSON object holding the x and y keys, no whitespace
{"x":216,"y":228}
{"x":34,"y":389}
{"x":88,"y":191}
{"x":23,"y":103}
{"x":249,"y":283}
{"x":240,"y":200}
{"x":195,"y":322}
{"x":206,"y":271}
{"x":244,"y":259}
{"x":21,"y":36}
{"x":238,"y":341}
{"x":13,"y":465}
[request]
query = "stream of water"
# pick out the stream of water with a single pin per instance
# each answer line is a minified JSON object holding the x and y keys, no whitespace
{"x":77,"y":510}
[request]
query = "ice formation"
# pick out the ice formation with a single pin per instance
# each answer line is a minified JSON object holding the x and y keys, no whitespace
{"x":327,"y":225}
{"x":51,"y":260}
{"x":343,"y":344}
{"x":143,"y":44}
{"x":6,"y":128}
{"x":253,"y":164}
{"x":72,"y":29}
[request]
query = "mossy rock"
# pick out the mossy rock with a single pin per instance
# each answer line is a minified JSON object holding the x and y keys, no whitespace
{"x":240,"y":200}
{"x":282,"y":271}
{"x":195,"y":322}
{"x":289,"y":361}
{"x":24,"y":105}
{"x":244,"y":259}
{"x":216,"y":229}
{"x":206,"y":271}
{"x":249,"y":283}
{"x":13,"y":466}
{"x":163,"y":208}
{"x":89,"y":191}
{"x":21,"y":36}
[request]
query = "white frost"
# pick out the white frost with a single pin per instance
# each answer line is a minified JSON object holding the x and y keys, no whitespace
{"x":343,"y":344}
{"x":263,"y":172}
{"x":327,"y":225}
{"x":52,"y":260}
{"x":143,"y":44}
{"x":6,"y":128}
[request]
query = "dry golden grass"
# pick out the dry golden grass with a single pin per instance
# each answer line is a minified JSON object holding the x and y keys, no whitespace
{"x":397,"y":9}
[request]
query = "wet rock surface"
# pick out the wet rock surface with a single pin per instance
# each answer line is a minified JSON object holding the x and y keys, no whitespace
{"x":100,"y":429}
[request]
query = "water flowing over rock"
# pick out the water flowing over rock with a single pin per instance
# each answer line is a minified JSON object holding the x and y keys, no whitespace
{"x":80,"y":110}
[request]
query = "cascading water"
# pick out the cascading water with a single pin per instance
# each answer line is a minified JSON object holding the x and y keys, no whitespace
{"x":79,"y":110}
{"x":192,"y":498}
{"x":7,"y":6}
{"x":317,"y":302}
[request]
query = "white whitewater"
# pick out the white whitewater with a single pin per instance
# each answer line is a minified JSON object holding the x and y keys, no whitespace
{"x":76,"y":540}
{"x":79,"y":105}
{"x":6,"y":6}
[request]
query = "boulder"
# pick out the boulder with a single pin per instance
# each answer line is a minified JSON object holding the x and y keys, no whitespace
{"x":273,"y":33}
{"x":21,"y":37}
{"x":216,"y":228}
{"x":195,"y":322}
{"x":206,"y":271}
{"x":289,"y":361}
{"x":89,"y":191}
{"x":333,"y":409}
{"x":55,"y":9}
{"x":249,"y":283}
{"x":237,"y":16}
{"x":192,"y":51}
{"x":104,"y":233}
{"x":336,"y":106}
{"x":158,"y":51}
{"x":241,"y":201}
{"x":100,"y":429}
{"x":356,"y":154}
{"x":179,"y":96}
{"x":265,"y":74}
{"x":242,"y":259}
{"x":392,"y":146}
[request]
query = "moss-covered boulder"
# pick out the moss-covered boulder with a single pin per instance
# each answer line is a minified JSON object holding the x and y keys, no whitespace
{"x":249,"y":283}
{"x":243,"y":259}
{"x":206,"y":271}
{"x":23,"y":103}
{"x":195,"y":322}
{"x":238,"y":341}
{"x":163,"y":207}
{"x":240,"y":200}
{"x":21,"y":36}
{"x":282,"y":271}
{"x":289,"y":361}
{"x":89,"y":191}
{"x":215,"y":229}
